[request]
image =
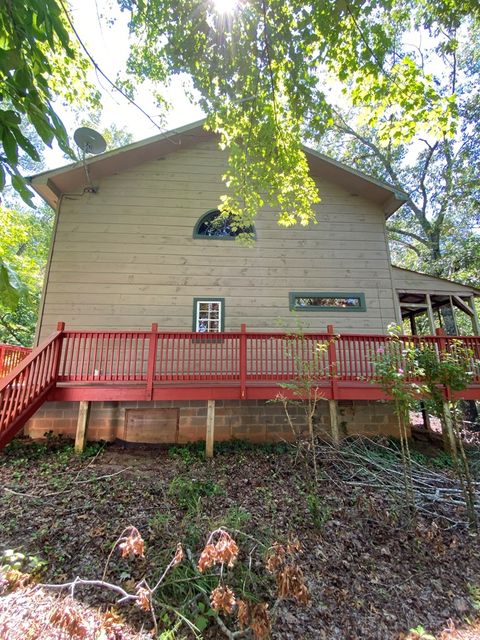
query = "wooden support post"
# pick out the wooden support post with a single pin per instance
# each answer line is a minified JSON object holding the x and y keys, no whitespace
{"x":332,"y":405}
{"x":454,"y":321}
{"x":475,"y":321}
{"x":431,"y":318}
{"x":152,"y":357}
{"x":82,"y":426}
{"x":413,"y":326}
{"x":243,"y":361}
{"x":332,"y":361}
{"x":210,"y":436}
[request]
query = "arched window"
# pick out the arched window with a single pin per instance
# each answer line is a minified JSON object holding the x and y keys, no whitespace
{"x":213,"y":225}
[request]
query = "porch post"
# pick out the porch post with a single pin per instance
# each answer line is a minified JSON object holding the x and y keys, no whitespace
{"x":243,"y":361}
{"x":152,"y":356}
{"x":475,"y":321}
{"x":332,"y":403}
{"x":452,"y":309}
{"x":413,"y":326}
{"x":82,"y":426}
{"x":430,"y":314}
{"x":210,"y":435}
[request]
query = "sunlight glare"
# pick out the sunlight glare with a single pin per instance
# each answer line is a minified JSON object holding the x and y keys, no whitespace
{"x":225,"y":6}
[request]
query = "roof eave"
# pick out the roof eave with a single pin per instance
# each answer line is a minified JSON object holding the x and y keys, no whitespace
{"x":51,"y":185}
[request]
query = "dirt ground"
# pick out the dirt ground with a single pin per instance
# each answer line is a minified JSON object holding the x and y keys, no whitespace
{"x":370,"y":571}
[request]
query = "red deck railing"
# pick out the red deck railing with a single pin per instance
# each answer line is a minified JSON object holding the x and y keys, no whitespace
{"x":241,"y":358}
{"x":10,"y":356}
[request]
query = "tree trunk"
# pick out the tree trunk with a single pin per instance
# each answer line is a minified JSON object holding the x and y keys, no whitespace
{"x":470,"y":415}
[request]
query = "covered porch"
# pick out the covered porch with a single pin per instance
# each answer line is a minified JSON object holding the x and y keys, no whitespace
{"x":427,"y":303}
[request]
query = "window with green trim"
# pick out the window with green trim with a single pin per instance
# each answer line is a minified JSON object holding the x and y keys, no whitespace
{"x":327,"y":301}
{"x":208,"y":315}
{"x":213,"y":225}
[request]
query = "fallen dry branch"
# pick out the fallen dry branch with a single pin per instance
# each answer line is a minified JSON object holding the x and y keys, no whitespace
{"x":38,"y":615}
{"x":71,"y":487}
{"x":377,"y":467}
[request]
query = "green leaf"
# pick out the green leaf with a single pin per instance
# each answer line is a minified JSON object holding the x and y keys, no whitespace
{"x":201,"y":622}
{"x":20,"y":186}
{"x":26,"y":145}
{"x":12,"y":290}
{"x":9,"y":117}
{"x":10,"y":146}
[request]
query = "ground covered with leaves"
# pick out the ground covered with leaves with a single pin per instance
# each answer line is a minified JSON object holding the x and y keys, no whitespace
{"x":359,"y":567}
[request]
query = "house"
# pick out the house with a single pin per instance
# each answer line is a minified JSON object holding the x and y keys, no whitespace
{"x":143,"y":280}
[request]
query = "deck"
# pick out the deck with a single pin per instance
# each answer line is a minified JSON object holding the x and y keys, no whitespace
{"x":158,"y":365}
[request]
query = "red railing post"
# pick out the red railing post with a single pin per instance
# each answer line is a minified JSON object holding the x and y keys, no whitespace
{"x":2,"y":356}
{"x":58,"y":350}
{"x":243,"y":361}
{"x":152,"y":358}
{"x":332,"y":360}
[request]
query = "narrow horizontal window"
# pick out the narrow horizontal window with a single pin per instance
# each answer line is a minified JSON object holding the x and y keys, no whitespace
{"x":208,"y":315}
{"x":326,"y":301}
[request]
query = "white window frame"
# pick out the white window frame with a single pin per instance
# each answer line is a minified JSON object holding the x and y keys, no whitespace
{"x":196,"y":313}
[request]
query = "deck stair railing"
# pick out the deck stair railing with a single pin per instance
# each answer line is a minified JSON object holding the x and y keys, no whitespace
{"x":25,"y":388}
{"x":10,"y":356}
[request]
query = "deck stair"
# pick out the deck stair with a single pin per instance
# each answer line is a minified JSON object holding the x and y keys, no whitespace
{"x":26,"y":388}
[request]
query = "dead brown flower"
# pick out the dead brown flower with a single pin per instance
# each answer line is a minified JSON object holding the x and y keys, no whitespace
{"x":143,"y":599}
{"x":179,"y":555}
{"x":224,"y":551}
{"x":222,"y":599}
{"x":276,"y":557}
{"x":260,"y":624}
{"x":243,"y":613}
{"x":133,"y":544}
{"x":227,"y":549}
{"x":291,"y":584}
{"x":207,"y":558}
{"x":70,"y":620}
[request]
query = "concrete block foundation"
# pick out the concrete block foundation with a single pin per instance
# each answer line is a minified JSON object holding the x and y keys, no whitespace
{"x":169,"y":422}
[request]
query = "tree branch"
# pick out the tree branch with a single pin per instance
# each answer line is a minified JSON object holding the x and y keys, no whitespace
{"x":409,"y":234}
{"x":408,"y":245}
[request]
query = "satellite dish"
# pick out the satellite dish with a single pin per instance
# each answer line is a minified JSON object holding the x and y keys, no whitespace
{"x":89,"y":141}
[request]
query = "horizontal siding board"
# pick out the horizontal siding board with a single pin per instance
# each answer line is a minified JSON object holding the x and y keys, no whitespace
{"x":271,"y":307}
{"x":351,"y":248}
{"x":169,"y":284}
{"x":157,"y":225}
{"x":62,"y":280}
{"x":328,"y":259}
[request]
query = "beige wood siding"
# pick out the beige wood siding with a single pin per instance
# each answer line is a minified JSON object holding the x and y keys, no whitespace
{"x":125,"y":257}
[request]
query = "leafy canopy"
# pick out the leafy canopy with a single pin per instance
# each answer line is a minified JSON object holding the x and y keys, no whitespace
{"x":23,"y":255}
{"x":38,"y":62}
{"x":263,"y":71}
{"x":437,"y":231}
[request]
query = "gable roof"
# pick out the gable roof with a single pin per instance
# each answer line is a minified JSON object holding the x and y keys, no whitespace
{"x":51,"y":185}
